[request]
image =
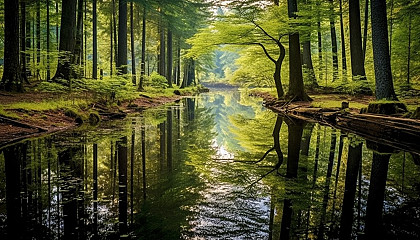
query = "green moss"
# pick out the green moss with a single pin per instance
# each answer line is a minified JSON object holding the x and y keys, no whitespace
{"x":319,"y":103}
{"x":9,"y":114}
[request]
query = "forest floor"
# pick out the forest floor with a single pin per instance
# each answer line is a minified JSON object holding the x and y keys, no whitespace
{"x":31,"y":114}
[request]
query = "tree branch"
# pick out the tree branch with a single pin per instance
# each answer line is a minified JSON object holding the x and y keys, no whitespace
{"x":265,"y":32}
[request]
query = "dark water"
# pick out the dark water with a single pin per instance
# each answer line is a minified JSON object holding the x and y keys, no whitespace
{"x":188,"y":171}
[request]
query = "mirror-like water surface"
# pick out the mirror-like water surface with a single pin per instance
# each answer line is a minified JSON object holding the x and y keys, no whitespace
{"x":219,"y":166}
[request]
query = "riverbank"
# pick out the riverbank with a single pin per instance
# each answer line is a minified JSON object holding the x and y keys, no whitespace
{"x":360,"y":115}
{"x":31,"y":114}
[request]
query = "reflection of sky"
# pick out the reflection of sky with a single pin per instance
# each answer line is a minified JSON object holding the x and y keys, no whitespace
{"x":224,"y":104}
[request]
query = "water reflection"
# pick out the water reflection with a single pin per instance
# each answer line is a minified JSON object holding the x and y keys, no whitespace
{"x":215,"y":167}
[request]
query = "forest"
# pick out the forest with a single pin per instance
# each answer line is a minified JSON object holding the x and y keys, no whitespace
{"x":209,"y":119}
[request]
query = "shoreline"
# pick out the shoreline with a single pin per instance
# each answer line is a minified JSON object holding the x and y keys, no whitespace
{"x":19,"y":124}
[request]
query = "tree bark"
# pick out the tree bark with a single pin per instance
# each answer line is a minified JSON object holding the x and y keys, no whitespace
{"x":122,"y":37}
{"x":67,"y":39}
{"x":356,"y":51}
{"x":333,"y":42}
{"x":170,"y":58}
{"x":381,"y":58}
{"x":78,"y":53}
{"x":365,"y":28}
{"x":133,"y":53}
{"x":48,"y":41}
{"x":143,"y":50}
{"x":162,"y":51}
{"x":296,"y":87}
{"x":23,"y":41}
{"x":38,"y":39}
{"x":12,"y":78}
{"x":343,"y":43}
{"x":95,"y":41}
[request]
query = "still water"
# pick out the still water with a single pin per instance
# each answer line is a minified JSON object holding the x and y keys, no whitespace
{"x":217,"y":166}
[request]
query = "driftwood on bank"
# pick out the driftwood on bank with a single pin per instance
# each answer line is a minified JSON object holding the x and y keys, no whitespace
{"x":397,"y":132}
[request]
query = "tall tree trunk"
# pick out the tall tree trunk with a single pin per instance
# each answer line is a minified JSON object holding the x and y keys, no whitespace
{"x":95,"y":41}
{"x":79,"y":38}
{"x":111,"y":59}
{"x":333,"y":42}
{"x":343,"y":43}
{"x":381,"y":59}
{"x":23,"y":41}
{"x":178,"y":65}
{"x":28,"y":72}
{"x":48,"y":41}
{"x":409,"y":49}
{"x":356,"y":51}
{"x":162,"y":51}
{"x":38,"y":39}
{"x":133,"y":53}
{"x":319,"y":35}
{"x":170,"y":58}
{"x":307,"y":63}
{"x":67,"y":39}
{"x":12,"y":78}
{"x":122,"y":37}
{"x":114,"y":19}
{"x":365,"y":28}
{"x":143,"y":50}
{"x":296,"y":88}
{"x":391,"y":25}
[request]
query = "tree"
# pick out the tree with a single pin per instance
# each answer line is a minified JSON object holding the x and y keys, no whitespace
{"x":382,"y":63}
{"x":296,"y":88}
{"x":12,"y":78}
{"x":122,"y":37}
{"x":356,"y":51}
{"x":133,"y":53}
{"x":67,"y":39}
{"x":143,"y":50}
{"x":333,"y":41}
{"x":95,"y":42}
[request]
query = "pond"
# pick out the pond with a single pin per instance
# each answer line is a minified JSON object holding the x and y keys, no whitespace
{"x":217,"y":166}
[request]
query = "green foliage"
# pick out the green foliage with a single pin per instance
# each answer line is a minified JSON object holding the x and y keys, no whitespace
{"x":156,"y":81}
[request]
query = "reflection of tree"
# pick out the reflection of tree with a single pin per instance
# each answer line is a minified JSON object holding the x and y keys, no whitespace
{"x":353,"y":161}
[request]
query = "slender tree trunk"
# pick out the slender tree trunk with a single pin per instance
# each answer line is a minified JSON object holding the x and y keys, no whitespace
{"x":381,"y":59}
{"x":67,"y":39}
{"x":143,"y":50}
{"x":307,"y":63}
{"x":170,"y":58}
{"x":114,"y":18}
{"x":343,"y":43}
{"x":28,"y":72}
{"x":79,"y":39}
{"x":122,"y":37}
{"x":111,"y":60}
{"x":365,"y":28}
{"x":133,"y":53}
{"x":178,"y":67}
{"x":409,"y":48}
{"x":38,"y":39}
{"x":48,"y":41}
{"x":23,"y":41}
{"x":277,"y":72}
{"x":319,"y":35}
{"x":162,"y":51}
{"x":12,"y":78}
{"x":95,"y":41}
{"x":333,"y":42}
